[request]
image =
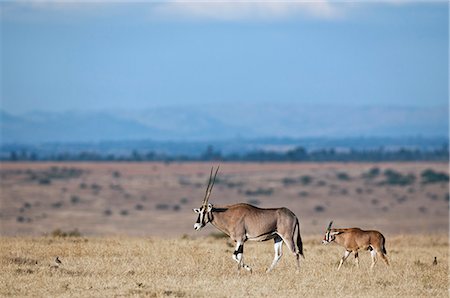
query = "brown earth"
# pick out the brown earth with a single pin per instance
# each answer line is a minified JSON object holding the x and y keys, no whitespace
{"x":155,"y":199}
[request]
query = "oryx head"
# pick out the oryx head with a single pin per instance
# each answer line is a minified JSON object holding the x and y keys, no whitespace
{"x":203,"y":211}
{"x":329,"y":234}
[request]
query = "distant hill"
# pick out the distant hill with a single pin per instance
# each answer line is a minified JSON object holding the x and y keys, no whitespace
{"x":224,"y":121}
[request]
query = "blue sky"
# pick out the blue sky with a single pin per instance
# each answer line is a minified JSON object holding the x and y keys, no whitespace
{"x":61,"y":56}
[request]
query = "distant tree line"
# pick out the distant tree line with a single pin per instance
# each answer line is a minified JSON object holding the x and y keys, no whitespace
{"x":298,"y":154}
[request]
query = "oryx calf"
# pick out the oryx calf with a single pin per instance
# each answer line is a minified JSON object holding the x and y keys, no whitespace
{"x":244,"y":222}
{"x":353,"y":239}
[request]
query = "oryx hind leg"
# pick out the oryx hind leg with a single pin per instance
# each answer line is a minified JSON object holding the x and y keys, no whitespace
{"x":238,"y":256}
{"x":278,"y":244}
{"x":373,"y":254}
{"x":356,"y":259}
{"x":291,"y":245}
{"x":383,"y":257}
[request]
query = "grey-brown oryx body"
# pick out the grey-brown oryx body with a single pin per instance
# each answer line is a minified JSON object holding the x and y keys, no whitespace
{"x":353,"y":239}
{"x":244,"y":222}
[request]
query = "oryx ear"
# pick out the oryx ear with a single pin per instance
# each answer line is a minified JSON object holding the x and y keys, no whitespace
{"x":196,"y":210}
{"x":209,"y":208}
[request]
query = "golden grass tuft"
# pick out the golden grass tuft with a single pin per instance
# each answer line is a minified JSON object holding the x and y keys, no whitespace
{"x":184,"y":267}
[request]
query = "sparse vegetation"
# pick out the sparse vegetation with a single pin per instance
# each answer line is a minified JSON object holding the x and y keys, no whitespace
{"x":259,"y":192}
{"x":304,"y":180}
{"x":431,"y":176}
{"x":393,"y":177}
{"x":162,"y":206}
{"x":254,"y":202}
{"x":319,"y":208}
{"x":57,"y":205}
{"x":303,"y":194}
{"x":63,"y":234}
{"x":372,"y":173}
{"x":343,"y":176}
{"x":75,"y":199}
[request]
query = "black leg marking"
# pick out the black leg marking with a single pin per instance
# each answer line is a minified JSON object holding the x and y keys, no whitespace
{"x":240,"y":250}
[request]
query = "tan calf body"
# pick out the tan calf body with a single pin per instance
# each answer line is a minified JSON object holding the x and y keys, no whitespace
{"x":354,"y":239}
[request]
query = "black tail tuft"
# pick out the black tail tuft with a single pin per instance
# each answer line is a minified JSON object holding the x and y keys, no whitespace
{"x":383,"y":248}
{"x":299,"y":241}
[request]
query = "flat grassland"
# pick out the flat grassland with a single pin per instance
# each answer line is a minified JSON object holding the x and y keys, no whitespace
{"x":203,"y":267}
{"x":137,"y":237}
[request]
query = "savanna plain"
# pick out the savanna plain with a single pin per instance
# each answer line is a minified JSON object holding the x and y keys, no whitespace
{"x":126,"y":229}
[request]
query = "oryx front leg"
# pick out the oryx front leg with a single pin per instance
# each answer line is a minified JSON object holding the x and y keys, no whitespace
{"x":238,"y":256}
{"x":278,"y":253}
{"x":346,"y":254}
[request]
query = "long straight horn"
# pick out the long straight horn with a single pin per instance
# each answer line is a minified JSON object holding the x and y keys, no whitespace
{"x":210,"y":185}
{"x":207,"y":187}
{"x":329,"y":226}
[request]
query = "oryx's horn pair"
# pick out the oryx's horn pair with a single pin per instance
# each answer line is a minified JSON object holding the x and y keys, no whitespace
{"x":210,"y":186}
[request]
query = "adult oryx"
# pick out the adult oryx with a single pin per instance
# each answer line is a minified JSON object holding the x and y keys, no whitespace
{"x":244,"y":222}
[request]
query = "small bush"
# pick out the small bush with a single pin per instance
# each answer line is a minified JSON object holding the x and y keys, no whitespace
{"x":343,"y":176}
{"x":319,"y":208}
{"x":124,"y":212}
{"x":321,"y":183}
{"x":303,"y":194}
{"x":44,"y":181}
{"x":288,"y":181}
{"x":57,"y":205}
{"x":116,"y":174}
{"x":255,"y":202}
{"x":305,"y":180}
{"x":372,"y":173}
{"x":107,"y":212}
{"x":259,"y":192}
{"x":139,"y":207}
{"x":402,"y":199}
{"x":396,"y":178}
{"x":176,"y":207}
{"x":184,"y":200}
{"x":74,"y":199}
{"x":430,"y":176}
{"x":422,"y":209}
{"x":162,"y":206}
{"x":60,"y":233}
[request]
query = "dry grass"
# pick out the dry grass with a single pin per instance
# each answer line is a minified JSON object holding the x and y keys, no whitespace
{"x":122,"y":266}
